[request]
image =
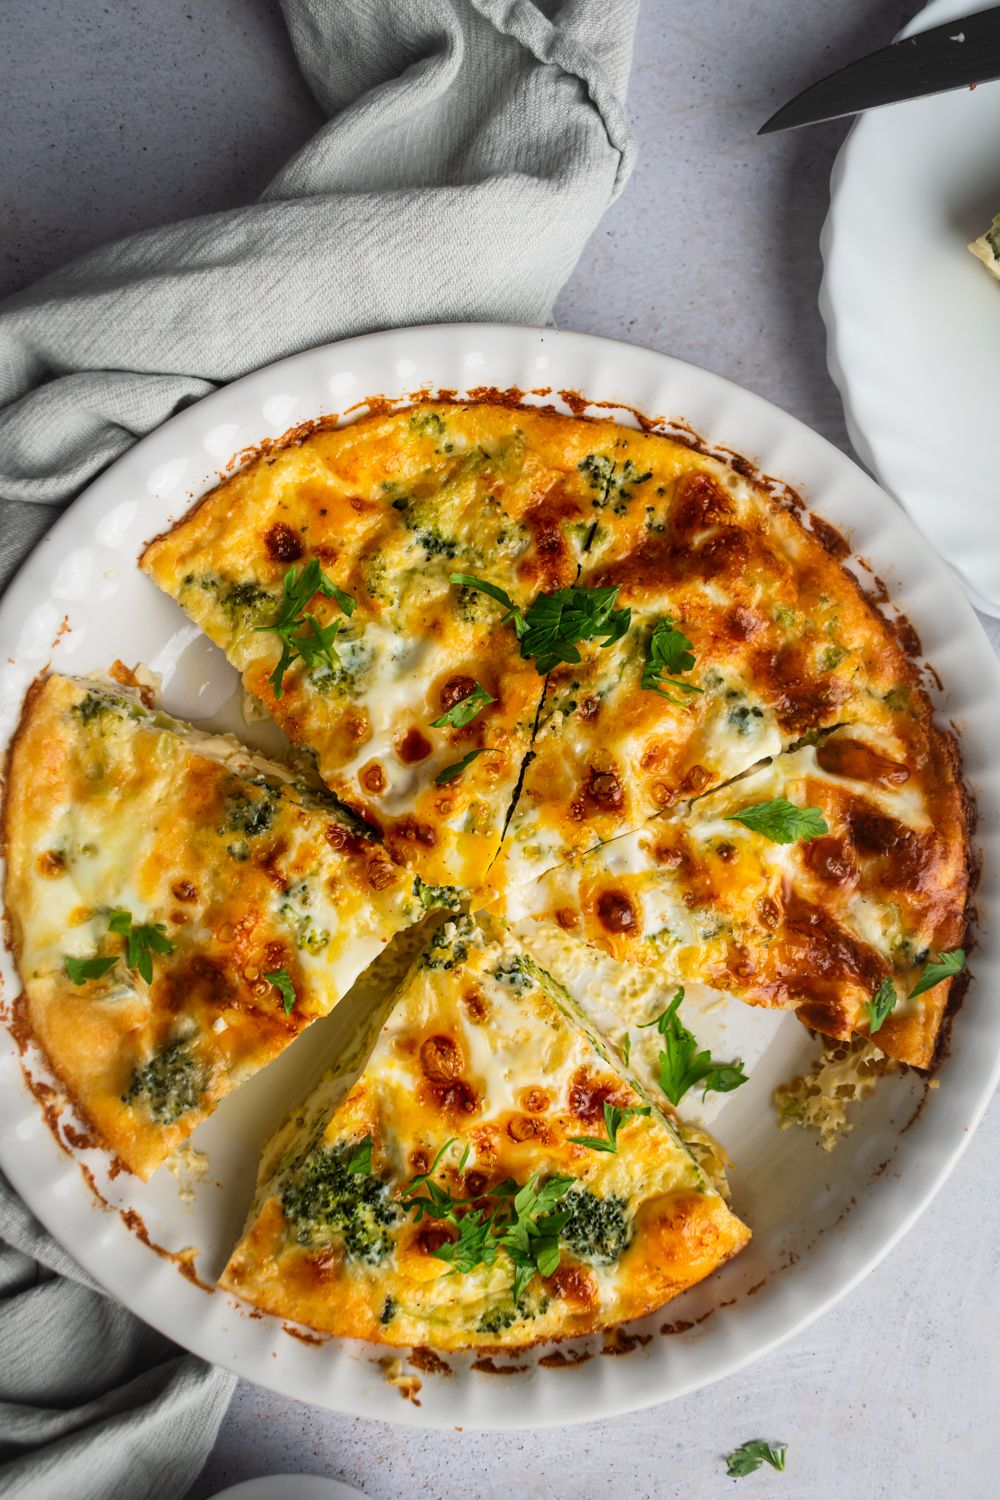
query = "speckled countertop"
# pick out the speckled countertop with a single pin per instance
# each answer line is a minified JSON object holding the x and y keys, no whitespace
{"x":120,"y":116}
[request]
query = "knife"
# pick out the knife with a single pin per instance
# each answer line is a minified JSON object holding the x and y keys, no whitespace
{"x":963,"y":52}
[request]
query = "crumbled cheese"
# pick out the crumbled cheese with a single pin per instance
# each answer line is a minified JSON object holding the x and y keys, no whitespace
{"x":187,"y":1165}
{"x":843,"y":1074}
{"x":219,"y":1025}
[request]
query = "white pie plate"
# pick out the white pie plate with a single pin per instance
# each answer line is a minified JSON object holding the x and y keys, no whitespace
{"x":820,"y":1223}
{"x":913,"y":320}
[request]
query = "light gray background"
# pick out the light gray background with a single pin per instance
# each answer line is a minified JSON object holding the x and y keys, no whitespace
{"x":118,"y":116}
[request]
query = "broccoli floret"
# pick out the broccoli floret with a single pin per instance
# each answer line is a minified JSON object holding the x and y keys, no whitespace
{"x":447,"y":897}
{"x":307,"y":935}
{"x":446,"y":947}
{"x":428,"y":422}
{"x":518,"y":973}
{"x":249,"y":815}
{"x":247,"y":604}
{"x":598,"y":1229}
{"x":389,"y":1310}
{"x":497,"y":1320}
{"x":97,"y":707}
{"x":325,"y":1198}
{"x":173,"y":1082}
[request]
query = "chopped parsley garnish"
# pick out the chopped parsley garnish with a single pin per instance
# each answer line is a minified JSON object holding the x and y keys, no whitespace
{"x":669,"y":651}
{"x":682,"y":1066}
{"x":881,"y":1005}
{"x":82,"y":969}
{"x":626,"y":1047}
{"x":749,"y":1457}
{"x":885,"y":999}
{"x":613,"y":1117}
{"x":450,"y":773}
{"x":524,"y":1224}
{"x":551,"y":626}
{"x":140,"y":942}
{"x":465,"y":710}
{"x":281,"y":981}
{"x":314,"y":643}
{"x":945,"y":966}
{"x":781,"y":821}
{"x":360,"y":1161}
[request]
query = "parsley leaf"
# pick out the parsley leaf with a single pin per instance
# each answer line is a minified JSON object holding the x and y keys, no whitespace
{"x":881,"y":1005}
{"x":360,"y":1164}
{"x":82,"y":969}
{"x":555,"y":622}
{"x":480,"y":585}
{"x":281,"y":981}
{"x":552,"y":624}
{"x":781,"y":821}
{"x":613,"y":1117}
{"x":465,"y":710}
{"x":457,"y":767}
{"x":315,"y":642}
{"x":524,"y":1222}
{"x":669,"y":650}
{"x":945,"y":966}
{"x":141,"y":942}
{"x":749,"y":1457}
{"x":626,"y":1047}
{"x":682,"y":1066}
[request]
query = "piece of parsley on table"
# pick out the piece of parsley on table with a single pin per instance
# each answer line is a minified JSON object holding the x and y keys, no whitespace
{"x":748,"y":1457}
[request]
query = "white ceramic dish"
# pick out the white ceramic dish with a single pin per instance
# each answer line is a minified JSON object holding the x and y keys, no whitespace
{"x":913,"y":320}
{"x":820,"y":1223}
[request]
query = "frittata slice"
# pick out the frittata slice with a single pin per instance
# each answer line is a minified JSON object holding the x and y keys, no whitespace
{"x":746,"y":633}
{"x":176,"y":922}
{"x":493,"y":1178}
{"x":867,"y":893}
{"x":405,"y":686}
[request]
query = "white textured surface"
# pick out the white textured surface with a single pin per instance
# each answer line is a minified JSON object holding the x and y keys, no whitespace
{"x":156,"y":108}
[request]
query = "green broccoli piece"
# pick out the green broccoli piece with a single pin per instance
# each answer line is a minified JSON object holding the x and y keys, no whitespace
{"x":598,"y":1229}
{"x":323,"y":1198}
{"x":172,"y":1083}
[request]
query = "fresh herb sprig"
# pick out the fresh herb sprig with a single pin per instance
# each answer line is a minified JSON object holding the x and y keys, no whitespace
{"x":749,"y":1456}
{"x":524,"y":1223}
{"x":613,"y":1117}
{"x":682,"y":1066}
{"x":141,"y":942}
{"x":465,"y":710}
{"x":668,"y":651}
{"x":450,"y":773}
{"x":551,"y":627}
{"x":300,"y":633}
{"x":282,"y":982}
{"x":781,"y":821}
{"x":885,"y":999}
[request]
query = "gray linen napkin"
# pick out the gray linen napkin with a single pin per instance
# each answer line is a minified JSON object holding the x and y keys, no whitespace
{"x":471,"y":148}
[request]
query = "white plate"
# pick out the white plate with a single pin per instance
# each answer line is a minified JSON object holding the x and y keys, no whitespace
{"x":820,"y":1223}
{"x":913,"y":320}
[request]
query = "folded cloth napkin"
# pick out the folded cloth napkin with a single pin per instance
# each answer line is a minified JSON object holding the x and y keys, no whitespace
{"x":471,"y":148}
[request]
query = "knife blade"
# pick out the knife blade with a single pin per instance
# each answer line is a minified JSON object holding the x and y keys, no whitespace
{"x":963,"y":52}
